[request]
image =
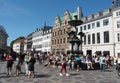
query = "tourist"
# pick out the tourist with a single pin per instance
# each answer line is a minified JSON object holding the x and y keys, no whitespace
{"x":31,"y":66}
{"x":89,"y":62}
{"x":18,"y":66}
{"x":9,"y":60}
{"x":78,"y":63}
{"x":26,"y":63}
{"x":63,"y":67}
{"x":102,"y":61}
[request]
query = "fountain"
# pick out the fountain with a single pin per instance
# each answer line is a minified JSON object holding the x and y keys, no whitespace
{"x":73,"y":39}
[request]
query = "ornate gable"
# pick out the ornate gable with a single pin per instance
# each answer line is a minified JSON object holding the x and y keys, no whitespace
{"x":66,"y":18}
{"x":57,"y":22}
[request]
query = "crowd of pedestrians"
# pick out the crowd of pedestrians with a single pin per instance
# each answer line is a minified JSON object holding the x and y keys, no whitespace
{"x":64,"y":61}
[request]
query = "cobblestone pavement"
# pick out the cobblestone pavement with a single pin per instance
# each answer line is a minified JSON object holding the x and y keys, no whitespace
{"x":51,"y":75}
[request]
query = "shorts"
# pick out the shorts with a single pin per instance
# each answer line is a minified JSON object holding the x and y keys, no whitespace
{"x":9,"y":64}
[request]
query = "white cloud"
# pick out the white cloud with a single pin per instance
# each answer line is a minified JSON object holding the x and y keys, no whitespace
{"x":11,"y":9}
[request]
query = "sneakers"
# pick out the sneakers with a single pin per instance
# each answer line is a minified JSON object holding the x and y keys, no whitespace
{"x":67,"y":74}
{"x":77,"y":70}
{"x":60,"y":74}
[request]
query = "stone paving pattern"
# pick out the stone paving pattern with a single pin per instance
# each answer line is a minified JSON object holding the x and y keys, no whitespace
{"x":51,"y":75}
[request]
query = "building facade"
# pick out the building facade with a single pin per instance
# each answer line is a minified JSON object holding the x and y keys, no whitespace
{"x":29,"y":42}
{"x":37,"y":40}
{"x":101,"y":32}
{"x":116,"y":24}
{"x":41,"y":39}
{"x":59,"y":36}
{"x":18,"y":46}
{"x":3,"y":39}
{"x":46,"y":39}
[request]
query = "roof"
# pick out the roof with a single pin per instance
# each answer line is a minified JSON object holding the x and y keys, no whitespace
{"x":45,"y":28}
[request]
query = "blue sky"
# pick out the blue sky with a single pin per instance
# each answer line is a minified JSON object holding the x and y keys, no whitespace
{"x":21,"y":17}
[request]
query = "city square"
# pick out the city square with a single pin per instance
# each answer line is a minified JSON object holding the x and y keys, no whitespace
{"x":76,"y":43}
{"x":51,"y":75}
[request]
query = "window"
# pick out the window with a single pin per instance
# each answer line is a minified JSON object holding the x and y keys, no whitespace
{"x":81,"y":28}
{"x":89,"y":26}
{"x":117,"y":3}
{"x":89,"y":17}
{"x":55,"y":33}
{"x":93,"y":38}
{"x":98,"y":24}
{"x":118,"y":37}
{"x":58,"y":32}
{"x":118,"y":13}
{"x":105,"y":22}
{"x":85,"y":40}
{"x":57,"y":41}
{"x":89,"y":39}
{"x":93,"y":25}
{"x":64,"y":31}
{"x":98,"y":38}
{"x":61,"y":32}
{"x":106,"y":37}
{"x":84,"y":27}
{"x":106,"y":12}
{"x":96,"y":15}
{"x":118,"y":24}
{"x":63,"y":40}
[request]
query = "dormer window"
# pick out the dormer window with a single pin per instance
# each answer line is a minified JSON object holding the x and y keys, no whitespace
{"x":96,"y":15}
{"x":84,"y":19}
{"x":106,"y":12}
{"x":89,"y":17}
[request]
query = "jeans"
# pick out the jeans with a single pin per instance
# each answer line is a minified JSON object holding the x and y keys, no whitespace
{"x":102,"y":67}
{"x":26,"y":69}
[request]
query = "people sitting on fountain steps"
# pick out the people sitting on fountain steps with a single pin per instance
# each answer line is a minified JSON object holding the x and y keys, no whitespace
{"x":89,"y":62}
{"x":78,"y":63}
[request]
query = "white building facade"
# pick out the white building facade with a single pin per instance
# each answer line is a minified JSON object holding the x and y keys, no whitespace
{"x":37,"y":40}
{"x":102,"y":32}
{"x":18,"y":47}
{"x":41,"y":39}
{"x":46,"y":39}
{"x":116,"y":24}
